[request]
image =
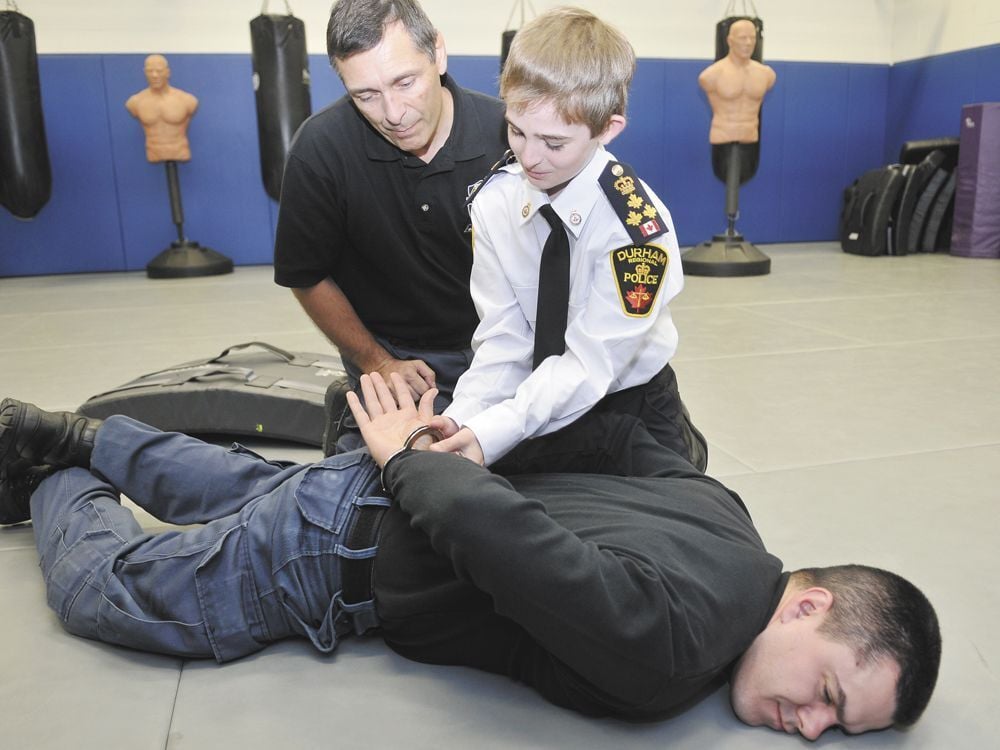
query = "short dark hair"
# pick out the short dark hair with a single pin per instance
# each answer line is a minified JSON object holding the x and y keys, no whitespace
{"x":880,"y":614}
{"x":359,"y":25}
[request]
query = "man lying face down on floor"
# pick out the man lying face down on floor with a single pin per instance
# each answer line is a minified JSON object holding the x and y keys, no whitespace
{"x":630,"y":593}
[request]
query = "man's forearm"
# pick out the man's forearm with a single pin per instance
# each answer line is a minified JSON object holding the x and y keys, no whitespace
{"x":335,"y":316}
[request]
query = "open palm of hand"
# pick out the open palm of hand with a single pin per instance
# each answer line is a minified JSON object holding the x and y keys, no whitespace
{"x":389,"y":414}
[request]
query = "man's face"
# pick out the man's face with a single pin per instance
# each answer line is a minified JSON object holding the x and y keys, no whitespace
{"x":794,"y":679}
{"x":742,"y":39}
{"x":551,"y":151}
{"x":398,"y":90}
{"x":157,"y":72}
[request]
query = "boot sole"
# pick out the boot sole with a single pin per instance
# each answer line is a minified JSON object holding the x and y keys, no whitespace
{"x":11,"y":413}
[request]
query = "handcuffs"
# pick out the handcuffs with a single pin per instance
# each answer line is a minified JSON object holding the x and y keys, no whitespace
{"x":408,"y":444}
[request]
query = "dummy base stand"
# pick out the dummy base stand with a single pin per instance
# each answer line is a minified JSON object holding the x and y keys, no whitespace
{"x":727,"y":254}
{"x":184,"y":258}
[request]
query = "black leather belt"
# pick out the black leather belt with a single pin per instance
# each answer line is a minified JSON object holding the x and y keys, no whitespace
{"x":356,"y":575}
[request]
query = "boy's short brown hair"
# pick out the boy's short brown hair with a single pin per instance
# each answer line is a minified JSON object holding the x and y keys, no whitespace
{"x":573,"y":59}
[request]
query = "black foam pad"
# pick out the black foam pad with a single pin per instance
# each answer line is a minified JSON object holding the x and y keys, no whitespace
{"x":938,"y":218}
{"x":868,"y":210}
{"x":921,"y":211}
{"x":914,"y":152}
{"x":916,"y":181}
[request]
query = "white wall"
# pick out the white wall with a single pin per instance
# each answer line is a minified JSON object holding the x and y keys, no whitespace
{"x":871,"y":31}
{"x":932,"y":27}
{"x":848,"y":30}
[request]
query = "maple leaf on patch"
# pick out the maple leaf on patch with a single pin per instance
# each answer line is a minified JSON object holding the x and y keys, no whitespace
{"x":638,"y":298}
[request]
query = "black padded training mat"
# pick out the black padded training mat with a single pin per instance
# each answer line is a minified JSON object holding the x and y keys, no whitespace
{"x":868,"y":210}
{"x":916,"y":183}
{"x":934,"y":237}
{"x":921,"y":212}
{"x":249,"y":389}
{"x":914,"y":152}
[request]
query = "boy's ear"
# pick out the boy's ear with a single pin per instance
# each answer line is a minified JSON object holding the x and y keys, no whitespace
{"x":615,"y":126}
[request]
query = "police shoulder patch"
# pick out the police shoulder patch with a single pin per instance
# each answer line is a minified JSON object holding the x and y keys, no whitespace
{"x":639,"y":271}
{"x":631,"y":202}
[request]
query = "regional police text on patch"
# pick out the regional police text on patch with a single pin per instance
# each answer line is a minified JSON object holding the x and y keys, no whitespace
{"x":639,"y":271}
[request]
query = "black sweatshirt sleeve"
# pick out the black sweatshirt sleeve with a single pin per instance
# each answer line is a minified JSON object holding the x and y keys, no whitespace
{"x":602,"y":612}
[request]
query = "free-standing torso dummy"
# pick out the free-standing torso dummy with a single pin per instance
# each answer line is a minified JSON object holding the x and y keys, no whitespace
{"x":164,"y":112}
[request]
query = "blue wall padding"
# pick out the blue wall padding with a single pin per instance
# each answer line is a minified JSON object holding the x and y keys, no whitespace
{"x":831,"y":132}
{"x":79,"y":228}
{"x":823,"y":125}
{"x":926,"y":96}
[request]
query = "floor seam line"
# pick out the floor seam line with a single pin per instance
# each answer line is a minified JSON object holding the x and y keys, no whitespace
{"x":173,"y":706}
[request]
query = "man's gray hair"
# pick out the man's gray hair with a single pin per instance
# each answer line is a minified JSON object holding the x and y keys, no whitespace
{"x":359,"y":25}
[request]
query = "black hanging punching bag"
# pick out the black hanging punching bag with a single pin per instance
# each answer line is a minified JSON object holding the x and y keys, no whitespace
{"x":25,"y":173}
{"x":281,"y":83}
{"x":505,"y":40}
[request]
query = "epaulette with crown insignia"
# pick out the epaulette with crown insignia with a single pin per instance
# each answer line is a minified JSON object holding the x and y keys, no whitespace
{"x":631,"y":202}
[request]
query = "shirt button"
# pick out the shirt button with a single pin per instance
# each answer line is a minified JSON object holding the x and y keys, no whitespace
{"x":425,"y":208}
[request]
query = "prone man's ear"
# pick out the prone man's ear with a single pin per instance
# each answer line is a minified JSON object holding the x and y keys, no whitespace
{"x":806,"y":603}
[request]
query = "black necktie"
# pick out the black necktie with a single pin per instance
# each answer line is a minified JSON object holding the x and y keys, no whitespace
{"x":553,"y":290}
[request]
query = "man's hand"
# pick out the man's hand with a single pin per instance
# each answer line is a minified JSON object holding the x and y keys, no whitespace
{"x":335,"y":316}
{"x":388,"y":416}
{"x":416,"y":374}
{"x":464,"y":442}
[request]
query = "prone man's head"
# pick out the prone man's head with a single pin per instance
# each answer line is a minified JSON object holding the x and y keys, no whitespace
{"x":848,"y":646}
{"x":570,"y":59}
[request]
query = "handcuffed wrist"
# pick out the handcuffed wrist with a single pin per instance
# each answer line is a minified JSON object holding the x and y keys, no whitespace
{"x":420,"y":432}
{"x":385,"y":465}
{"x":411,"y":439}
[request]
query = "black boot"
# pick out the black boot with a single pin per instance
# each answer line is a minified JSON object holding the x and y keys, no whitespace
{"x":30,"y":436}
{"x":16,"y":491}
{"x":339,"y":419}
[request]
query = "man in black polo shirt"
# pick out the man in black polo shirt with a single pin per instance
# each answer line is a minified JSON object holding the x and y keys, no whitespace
{"x":373,"y":234}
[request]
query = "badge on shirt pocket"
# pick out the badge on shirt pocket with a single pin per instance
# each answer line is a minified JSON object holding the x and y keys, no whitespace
{"x":639,"y":271}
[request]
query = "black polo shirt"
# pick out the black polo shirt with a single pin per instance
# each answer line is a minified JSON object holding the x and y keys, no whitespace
{"x":390,"y":230}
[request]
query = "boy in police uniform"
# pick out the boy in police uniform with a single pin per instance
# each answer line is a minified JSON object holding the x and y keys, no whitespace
{"x":565,"y":83}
